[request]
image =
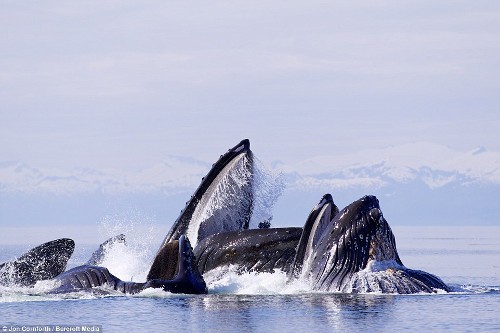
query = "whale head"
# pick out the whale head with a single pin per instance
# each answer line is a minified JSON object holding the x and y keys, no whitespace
{"x":40,"y":263}
{"x":357,"y":252}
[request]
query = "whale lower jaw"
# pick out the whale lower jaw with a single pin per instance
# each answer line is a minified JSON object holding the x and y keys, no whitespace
{"x":389,"y":277}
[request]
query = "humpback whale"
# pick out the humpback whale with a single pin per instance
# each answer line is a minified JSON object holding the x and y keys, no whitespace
{"x":43,"y":262}
{"x":357,"y":253}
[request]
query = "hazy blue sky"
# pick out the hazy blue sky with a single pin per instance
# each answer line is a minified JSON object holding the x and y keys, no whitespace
{"x":124,"y":83}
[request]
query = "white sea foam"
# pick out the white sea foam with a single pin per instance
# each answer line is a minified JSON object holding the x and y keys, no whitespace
{"x":226,"y":280}
{"x":377,"y":266}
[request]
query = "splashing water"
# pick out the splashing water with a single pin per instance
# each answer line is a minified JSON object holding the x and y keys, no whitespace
{"x":227,"y":280}
{"x":130,"y":262}
{"x":268,"y":187}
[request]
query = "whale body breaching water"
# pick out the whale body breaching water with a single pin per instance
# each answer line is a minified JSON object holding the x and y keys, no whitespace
{"x":347,"y":251}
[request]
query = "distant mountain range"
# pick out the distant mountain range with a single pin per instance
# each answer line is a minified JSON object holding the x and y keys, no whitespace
{"x":434,"y":165}
{"x":406,"y":178}
{"x":172,"y":175}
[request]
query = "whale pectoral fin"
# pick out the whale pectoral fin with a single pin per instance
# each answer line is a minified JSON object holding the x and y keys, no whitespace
{"x":40,"y":263}
{"x":97,"y":257}
{"x":174,"y":269}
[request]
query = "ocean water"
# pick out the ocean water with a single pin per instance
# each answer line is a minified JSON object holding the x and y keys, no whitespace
{"x":467,"y":258}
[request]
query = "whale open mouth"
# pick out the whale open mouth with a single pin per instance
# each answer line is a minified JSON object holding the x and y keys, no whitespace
{"x":356,"y":253}
{"x":356,"y":235}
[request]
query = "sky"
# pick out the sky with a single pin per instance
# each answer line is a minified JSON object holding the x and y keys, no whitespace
{"x":122,"y":84}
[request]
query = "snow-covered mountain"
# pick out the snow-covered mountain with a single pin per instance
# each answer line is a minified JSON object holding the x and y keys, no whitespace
{"x":171,"y":175}
{"x":419,"y":183}
{"x":434,"y":165}
{"x":424,"y":175}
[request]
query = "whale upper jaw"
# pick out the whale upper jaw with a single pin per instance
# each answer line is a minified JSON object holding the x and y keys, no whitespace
{"x":317,"y":221}
{"x":238,"y":156}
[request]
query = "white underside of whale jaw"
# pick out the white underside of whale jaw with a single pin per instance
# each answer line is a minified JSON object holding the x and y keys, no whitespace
{"x":384,"y":277}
